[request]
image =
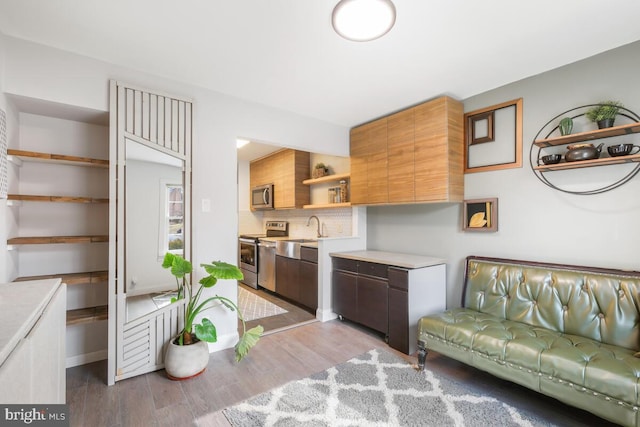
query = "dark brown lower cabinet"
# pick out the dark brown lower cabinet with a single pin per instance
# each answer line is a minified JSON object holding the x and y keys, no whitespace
{"x":399,"y":309}
{"x":297,"y":279}
{"x":372,"y":303}
{"x":288,"y":277}
{"x":388,"y":299}
{"x":309,"y":284}
{"x":358,"y":295}
{"x":345,"y":302}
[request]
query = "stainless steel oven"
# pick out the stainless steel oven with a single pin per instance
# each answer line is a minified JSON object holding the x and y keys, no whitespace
{"x":248,"y":259}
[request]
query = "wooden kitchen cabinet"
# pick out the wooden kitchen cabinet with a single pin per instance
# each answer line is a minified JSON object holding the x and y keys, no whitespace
{"x":297,"y":279}
{"x":401,"y":156}
{"x":288,"y":277}
{"x":308,"y":295}
{"x":413,"y":156}
{"x":413,"y":293}
{"x":285,"y":169}
{"x":439,"y":151}
{"x":360,"y":293}
{"x":369,"y":171}
{"x":388,"y":298}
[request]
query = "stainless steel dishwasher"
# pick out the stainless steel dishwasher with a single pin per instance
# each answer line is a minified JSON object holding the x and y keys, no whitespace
{"x":267,"y":270}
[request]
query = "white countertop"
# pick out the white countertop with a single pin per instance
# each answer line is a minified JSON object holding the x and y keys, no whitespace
{"x":395,"y":259}
{"x":21,"y":305}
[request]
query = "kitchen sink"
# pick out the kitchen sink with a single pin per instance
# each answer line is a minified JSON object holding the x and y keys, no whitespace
{"x":290,"y":248}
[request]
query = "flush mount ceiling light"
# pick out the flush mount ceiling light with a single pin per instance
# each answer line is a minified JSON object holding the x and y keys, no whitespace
{"x":363,"y":20}
{"x":241,"y":142}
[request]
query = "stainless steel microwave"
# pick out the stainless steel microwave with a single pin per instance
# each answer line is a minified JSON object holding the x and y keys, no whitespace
{"x":262,"y":197}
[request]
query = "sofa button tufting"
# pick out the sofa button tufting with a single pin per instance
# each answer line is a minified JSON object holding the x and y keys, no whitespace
{"x":601,"y":316}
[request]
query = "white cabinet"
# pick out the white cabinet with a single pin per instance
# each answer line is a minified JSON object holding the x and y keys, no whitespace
{"x":32,"y":342}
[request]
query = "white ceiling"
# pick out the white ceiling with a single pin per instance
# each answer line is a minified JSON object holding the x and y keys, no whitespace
{"x":284,"y":53}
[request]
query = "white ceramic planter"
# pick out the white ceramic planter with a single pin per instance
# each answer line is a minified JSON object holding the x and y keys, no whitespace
{"x":186,"y":361}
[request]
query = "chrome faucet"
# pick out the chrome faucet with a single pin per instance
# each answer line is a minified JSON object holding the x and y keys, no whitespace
{"x":317,"y":220}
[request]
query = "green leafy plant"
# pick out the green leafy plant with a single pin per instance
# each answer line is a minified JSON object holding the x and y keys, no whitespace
{"x":206,"y":331}
{"x":605,"y":110}
{"x":321,"y":166}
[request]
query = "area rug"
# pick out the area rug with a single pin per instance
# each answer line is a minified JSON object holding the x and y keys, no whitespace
{"x":254,"y":307}
{"x":376,"y":389}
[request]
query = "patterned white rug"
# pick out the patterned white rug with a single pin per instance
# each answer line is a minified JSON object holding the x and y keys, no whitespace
{"x":254,"y":307}
{"x":376,"y":389}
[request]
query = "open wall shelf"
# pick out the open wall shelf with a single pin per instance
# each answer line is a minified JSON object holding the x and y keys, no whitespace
{"x":34,"y":156}
{"x":72,"y":278}
{"x":552,"y":128}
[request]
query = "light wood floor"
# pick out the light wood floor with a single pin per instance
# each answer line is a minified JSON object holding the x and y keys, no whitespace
{"x":153,"y":400}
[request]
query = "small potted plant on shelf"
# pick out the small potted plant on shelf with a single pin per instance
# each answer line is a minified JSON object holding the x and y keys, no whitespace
{"x":187,"y":354}
{"x":604,"y":113}
{"x":320,"y":170}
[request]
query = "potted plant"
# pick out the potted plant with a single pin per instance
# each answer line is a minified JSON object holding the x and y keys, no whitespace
{"x":604,"y":113}
{"x":320,"y":170}
{"x":187,"y":354}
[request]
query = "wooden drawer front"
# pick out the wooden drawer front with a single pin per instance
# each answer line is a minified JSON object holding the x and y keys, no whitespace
{"x":398,"y":278}
{"x":309,"y":254}
{"x":345,"y":264}
{"x":373,"y":269}
{"x":373,"y":303}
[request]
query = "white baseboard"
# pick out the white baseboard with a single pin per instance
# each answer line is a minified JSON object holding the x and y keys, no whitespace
{"x":83,"y":359}
{"x":325,"y":315}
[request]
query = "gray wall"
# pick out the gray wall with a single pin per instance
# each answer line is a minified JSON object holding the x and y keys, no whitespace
{"x":535,"y":221}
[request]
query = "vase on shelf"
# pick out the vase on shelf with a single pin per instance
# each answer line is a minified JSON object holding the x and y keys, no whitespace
{"x":566,"y":126}
{"x":605,"y":123}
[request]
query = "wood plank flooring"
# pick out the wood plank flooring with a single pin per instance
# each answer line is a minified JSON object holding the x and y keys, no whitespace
{"x":153,"y":400}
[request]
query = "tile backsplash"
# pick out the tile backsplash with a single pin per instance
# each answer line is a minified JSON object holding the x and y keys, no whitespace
{"x":336,"y":222}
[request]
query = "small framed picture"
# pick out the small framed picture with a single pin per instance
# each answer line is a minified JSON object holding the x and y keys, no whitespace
{"x":480,"y":215}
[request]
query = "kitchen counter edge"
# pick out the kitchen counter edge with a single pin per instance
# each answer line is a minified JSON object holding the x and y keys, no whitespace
{"x":395,"y":259}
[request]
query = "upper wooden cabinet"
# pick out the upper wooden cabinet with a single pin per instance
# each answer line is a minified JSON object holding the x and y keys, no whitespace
{"x":413,"y":156}
{"x":285,"y":169}
{"x":369,"y":172}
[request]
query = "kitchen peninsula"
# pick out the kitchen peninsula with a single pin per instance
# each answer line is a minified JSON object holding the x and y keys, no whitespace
{"x":388,"y":292}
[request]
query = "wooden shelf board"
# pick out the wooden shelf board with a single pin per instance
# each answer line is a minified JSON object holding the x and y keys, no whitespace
{"x":328,"y":205}
{"x":72,"y":278}
{"x":589,"y":135}
{"x":56,"y":199}
{"x":326,"y":178}
{"x":33,"y":156}
{"x":87,"y":315}
{"x":589,"y":163}
{"x":46,"y":240}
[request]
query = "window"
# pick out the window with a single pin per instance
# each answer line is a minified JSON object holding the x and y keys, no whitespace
{"x":172,"y":222}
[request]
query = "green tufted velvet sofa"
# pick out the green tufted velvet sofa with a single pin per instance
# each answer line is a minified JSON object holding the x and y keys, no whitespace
{"x":565,"y":331}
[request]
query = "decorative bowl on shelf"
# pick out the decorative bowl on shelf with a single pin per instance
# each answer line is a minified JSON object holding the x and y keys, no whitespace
{"x":551,"y":159}
{"x":622,"y":149}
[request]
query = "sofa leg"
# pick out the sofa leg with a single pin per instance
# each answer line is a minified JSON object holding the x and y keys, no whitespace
{"x":422,"y":356}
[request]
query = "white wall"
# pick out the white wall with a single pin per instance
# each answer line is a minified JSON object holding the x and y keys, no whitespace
{"x":535,"y":221}
{"x":8,"y":224}
{"x":41,"y":72}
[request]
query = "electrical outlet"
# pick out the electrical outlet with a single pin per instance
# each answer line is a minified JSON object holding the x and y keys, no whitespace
{"x":206,"y":205}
